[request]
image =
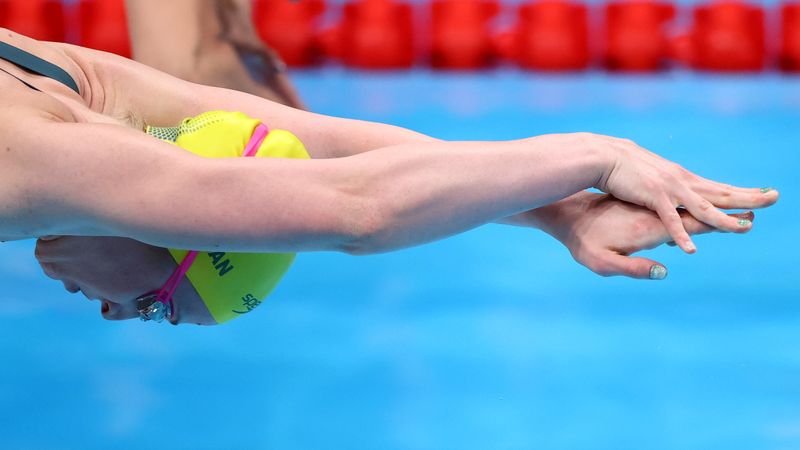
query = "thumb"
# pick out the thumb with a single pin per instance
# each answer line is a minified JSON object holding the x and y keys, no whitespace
{"x":611,"y":264}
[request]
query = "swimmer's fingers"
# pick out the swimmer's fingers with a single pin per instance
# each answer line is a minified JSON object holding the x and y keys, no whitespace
{"x":703,"y":210}
{"x":695,"y":227}
{"x":671,"y":219}
{"x":613,"y":264}
{"x":726,"y":196}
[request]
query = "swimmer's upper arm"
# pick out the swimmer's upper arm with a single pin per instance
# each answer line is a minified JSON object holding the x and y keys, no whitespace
{"x":124,"y":86}
{"x":109,"y":180}
{"x":324,"y":136}
{"x":120,"y":87}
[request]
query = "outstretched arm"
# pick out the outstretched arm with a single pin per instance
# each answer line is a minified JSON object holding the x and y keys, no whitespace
{"x":111,"y":180}
{"x":476,"y":182}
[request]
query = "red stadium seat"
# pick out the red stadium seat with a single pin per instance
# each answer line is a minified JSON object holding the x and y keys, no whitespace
{"x":790,"y":37}
{"x":373,"y":34}
{"x":550,"y":35}
{"x":460,"y":37}
{"x":39,"y":19}
{"x":103,"y":26}
{"x":635,"y":39}
{"x":289,"y":27}
{"x":727,"y":36}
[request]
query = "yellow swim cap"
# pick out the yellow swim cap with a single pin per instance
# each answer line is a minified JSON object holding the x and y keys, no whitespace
{"x":231,"y":284}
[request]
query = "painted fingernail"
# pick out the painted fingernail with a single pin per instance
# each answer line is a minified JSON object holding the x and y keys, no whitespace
{"x":745,"y":223}
{"x":765,"y":190}
{"x":658,"y":272}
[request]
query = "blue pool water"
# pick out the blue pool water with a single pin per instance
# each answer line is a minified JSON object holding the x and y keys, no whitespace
{"x":494,"y":339}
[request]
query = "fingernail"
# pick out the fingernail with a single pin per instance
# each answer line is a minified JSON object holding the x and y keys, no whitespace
{"x":658,"y":272}
{"x":691,"y":247}
{"x":745,"y":222}
{"x":765,"y":190}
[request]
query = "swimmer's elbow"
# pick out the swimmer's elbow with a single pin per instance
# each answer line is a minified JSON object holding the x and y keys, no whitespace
{"x":364,"y":228}
{"x":370,"y":226}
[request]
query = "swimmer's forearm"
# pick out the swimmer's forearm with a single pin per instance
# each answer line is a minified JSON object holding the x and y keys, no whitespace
{"x":378,"y":201}
{"x":124,"y":183}
{"x":544,"y":216}
{"x":426,"y":192}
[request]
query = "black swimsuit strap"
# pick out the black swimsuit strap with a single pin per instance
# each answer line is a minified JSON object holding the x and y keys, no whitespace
{"x":21,"y":80}
{"x":36,"y":65}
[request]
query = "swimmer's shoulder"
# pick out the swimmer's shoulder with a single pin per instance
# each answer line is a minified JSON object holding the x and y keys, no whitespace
{"x":102,"y":95}
{"x":51,"y":52}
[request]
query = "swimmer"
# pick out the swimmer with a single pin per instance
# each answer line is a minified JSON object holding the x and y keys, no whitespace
{"x":78,"y":162}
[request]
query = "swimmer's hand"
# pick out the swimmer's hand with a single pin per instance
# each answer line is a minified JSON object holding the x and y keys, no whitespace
{"x":264,"y":65}
{"x":602,"y":232}
{"x":638,"y":176}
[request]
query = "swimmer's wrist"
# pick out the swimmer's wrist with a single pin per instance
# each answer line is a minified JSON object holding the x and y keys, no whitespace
{"x":599,"y":154}
{"x":604,"y":155}
{"x":585,"y":159}
{"x":547,"y":217}
{"x":551,"y":216}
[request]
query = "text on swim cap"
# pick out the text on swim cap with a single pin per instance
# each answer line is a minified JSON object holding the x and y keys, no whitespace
{"x":222,"y":264}
{"x":250,"y":302}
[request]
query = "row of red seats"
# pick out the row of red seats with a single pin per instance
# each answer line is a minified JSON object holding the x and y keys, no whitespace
{"x":98,"y":24}
{"x":727,"y":35}
{"x":554,"y":35}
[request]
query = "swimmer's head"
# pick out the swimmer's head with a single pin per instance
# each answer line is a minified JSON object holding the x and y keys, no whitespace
{"x":115,"y":271}
{"x":230,"y":284}
{"x":218,"y":286}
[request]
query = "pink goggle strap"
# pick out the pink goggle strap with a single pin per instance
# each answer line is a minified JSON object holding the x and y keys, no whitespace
{"x":164,"y":295}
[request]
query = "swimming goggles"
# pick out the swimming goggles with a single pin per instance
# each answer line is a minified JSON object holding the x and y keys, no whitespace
{"x":157,"y":305}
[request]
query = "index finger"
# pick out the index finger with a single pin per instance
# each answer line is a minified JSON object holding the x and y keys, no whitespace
{"x":672,"y":222}
{"x":695,"y":227}
{"x":726,"y":196}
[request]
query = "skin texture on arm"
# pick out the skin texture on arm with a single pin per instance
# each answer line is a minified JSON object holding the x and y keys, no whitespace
{"x":378,"y":201}
{"x":111,"y":180}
